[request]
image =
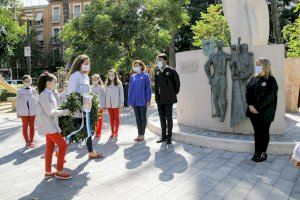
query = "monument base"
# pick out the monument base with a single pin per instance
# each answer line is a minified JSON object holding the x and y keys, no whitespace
{"x":194,"y":100}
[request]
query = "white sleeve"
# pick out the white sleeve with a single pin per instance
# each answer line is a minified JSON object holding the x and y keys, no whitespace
{"x":73,"y":84}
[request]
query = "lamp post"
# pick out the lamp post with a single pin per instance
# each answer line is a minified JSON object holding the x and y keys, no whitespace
{"x":28,"y":18}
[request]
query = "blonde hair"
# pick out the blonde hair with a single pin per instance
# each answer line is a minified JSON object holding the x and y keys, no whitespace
{"x":266,"y":66}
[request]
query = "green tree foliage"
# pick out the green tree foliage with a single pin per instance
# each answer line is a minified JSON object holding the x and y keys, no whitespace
{"x":184,"y":36}
{"x":12,"y":33}
{"x":114,"y":34}
{"x":211,"y":24}
{"x":291,"y":33}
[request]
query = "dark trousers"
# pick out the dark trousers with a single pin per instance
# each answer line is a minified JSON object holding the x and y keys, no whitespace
{"x":89,"y":143}
{"x":261,"y":134}
{"x":165,"y":112}
{"x":141,"y":118}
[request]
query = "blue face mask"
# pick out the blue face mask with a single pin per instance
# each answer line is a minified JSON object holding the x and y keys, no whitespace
{"x":137,"y":69}
{"x":258,"y":69}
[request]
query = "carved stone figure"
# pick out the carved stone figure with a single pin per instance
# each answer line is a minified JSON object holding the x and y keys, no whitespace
{"x":248,"y":19}
{"x":242,"y":68}
{"x":217,"y":80}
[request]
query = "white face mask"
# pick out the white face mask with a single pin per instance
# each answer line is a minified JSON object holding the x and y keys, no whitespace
{"x":258,"y":69}
{"x":95,"y":82}
{"x":27,"y":85}
{"x":159,"y":64}
{"x":54,"y":86}
{"x":85,"y":68}
{"x":137,"y":69}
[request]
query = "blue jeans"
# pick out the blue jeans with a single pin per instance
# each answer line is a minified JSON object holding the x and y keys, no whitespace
{"x":141,"y":118}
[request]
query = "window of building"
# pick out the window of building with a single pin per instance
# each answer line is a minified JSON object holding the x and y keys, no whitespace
{"x":56,"y":14}
{"x":76,"y":10}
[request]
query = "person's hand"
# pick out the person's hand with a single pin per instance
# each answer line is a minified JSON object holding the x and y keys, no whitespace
{"x":252,"y":109}
{"x":148,"y":104}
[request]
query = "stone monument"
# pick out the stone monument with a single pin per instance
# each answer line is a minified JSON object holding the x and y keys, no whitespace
{"x":248,"y":19}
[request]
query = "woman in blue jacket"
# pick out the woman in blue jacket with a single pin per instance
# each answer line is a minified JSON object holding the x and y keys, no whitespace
{"x":139,"y":96}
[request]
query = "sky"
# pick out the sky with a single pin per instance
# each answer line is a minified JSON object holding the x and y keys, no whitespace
{"x":27,"y":3}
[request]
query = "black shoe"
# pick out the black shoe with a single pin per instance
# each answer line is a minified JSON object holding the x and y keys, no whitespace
{"x":169,"y":141}
{"x":255,"y":156}
{"x":161,"y":140}
{"x":262,"y":157}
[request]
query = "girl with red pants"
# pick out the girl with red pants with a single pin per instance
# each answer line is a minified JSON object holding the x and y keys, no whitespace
{"x":26,"y":109}
{"x":114,"y":100}
{"x":47,"y":121}
{"x":98,"y":89}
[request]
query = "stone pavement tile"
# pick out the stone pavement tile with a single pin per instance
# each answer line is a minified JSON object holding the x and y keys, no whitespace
{"x":155,"y":193}
{"x":133,"y":193}
{"x":84,"y":197}
{"x":259,"y":192}
{"x":190,"y":197}
{"x":13,"y":194}
{"x":279,"y":163}
{"x":239,"y":192}
{"x":192,"y":183}
{"x":221,"y":173}
{"x":290,"y":173}
{"x":282,"y":190}
{"x":104,"y":193}
{"x":222,"y":188}
{"x":295,"y":195}
{"x":270,"y":177}
{"x":276,"y":194}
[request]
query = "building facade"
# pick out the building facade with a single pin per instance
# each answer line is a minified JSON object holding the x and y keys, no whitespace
{"x":47,"y":21}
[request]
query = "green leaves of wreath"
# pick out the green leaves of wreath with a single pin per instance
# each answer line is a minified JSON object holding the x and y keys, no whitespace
{"x":74,"y":103}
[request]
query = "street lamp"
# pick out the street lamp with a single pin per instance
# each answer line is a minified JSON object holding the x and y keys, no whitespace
{"x":27,"y":50}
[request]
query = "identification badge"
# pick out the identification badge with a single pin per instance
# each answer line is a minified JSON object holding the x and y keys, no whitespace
{"x":167,"y":73}
{"x":264,"y":84}
{"x":157,"y":72}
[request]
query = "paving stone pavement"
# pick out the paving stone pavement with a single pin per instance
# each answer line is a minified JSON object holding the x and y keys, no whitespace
{"x":144,"y":170}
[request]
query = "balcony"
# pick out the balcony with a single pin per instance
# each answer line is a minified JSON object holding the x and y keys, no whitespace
{"x":55,"y":18}
{"x":38,"y":23}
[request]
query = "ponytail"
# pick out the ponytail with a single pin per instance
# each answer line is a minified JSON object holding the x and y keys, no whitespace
{"x":43,"y":79}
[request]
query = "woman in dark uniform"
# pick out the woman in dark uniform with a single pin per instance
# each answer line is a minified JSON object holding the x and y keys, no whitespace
{"x":261,"y":97}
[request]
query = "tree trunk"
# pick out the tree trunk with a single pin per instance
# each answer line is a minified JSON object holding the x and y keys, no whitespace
{"x":275,"y":22}
{"x":172,"y":61}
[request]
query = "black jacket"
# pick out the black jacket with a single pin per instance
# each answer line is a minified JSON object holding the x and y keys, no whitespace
{"x":262,"y":94}
{"x":167,"y":85}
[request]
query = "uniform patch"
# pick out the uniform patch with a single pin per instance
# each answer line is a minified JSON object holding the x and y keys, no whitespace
{"x":264,"y":84}
{"x":167,"y":73}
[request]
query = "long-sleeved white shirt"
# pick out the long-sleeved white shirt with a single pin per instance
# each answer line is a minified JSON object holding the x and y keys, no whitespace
{"x":79,"y":83}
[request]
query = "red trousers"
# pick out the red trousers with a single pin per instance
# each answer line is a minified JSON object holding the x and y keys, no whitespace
{"x":28,"y":122}
{"x":114,"y":115}
{"x":51,"y":140}
{"x":99,"y":123}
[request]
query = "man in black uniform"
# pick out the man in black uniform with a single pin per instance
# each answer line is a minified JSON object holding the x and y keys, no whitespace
{"x":167,"y":85}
